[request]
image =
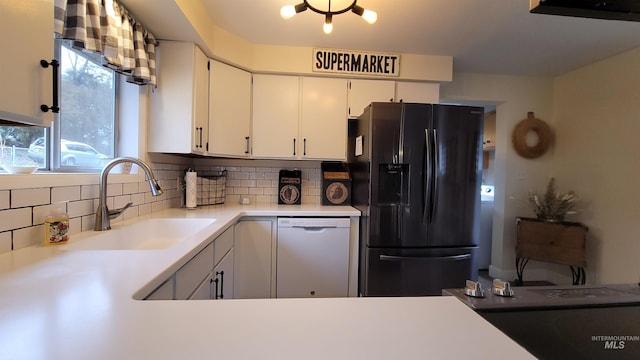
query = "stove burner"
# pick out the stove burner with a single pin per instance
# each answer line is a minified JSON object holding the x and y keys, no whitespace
{"x":598,"y":292}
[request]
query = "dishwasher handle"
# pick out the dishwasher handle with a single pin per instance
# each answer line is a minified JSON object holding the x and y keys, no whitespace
{"x":314,"y":227}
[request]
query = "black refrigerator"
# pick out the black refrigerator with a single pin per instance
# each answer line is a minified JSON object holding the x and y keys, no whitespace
{"x":416,"y":172}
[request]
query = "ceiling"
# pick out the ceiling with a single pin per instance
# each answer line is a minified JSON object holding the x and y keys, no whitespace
{"x":483,"y":36}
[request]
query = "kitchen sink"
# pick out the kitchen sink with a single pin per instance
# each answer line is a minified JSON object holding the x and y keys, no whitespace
{"x":150,"y":234}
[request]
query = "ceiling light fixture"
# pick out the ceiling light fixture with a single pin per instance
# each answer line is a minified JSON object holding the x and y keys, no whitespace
{"x":289,"y":11}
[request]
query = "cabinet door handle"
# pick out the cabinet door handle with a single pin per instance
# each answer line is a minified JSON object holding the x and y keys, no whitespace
{"x":294,"y":146}
{"x":215,"y":296}
{"x":54,"y":70}
{"x":221,"y":273}
{"x":304,"y":147}
{"x":246,"y":138}
{"x":199,"y":134}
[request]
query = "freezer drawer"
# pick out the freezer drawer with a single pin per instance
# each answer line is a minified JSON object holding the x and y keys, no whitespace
{"x":416,"y":272}
{"x":313,"y":257}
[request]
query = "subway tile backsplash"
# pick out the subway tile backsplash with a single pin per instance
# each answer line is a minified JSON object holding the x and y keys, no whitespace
{"x":22,"y":211}
{"x":260,"y":184}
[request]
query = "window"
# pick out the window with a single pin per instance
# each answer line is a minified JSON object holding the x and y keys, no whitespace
{"x":87,"y":126}
{"x":14,"y":144}
{"x":82,"y":137}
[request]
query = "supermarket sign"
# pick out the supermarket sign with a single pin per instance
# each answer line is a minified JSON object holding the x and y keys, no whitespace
{"x":356,"y":62}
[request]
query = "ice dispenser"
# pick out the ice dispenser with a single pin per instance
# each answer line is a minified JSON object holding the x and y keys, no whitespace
{"x":393,"y":184}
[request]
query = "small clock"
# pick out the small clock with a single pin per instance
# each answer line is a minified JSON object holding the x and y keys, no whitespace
{"x":336,"y":193}
{"x":336,"y":184}
{"x":289,"y":192}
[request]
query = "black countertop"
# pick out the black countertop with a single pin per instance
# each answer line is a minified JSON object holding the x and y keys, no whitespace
{"x":566,"y":322}
{"x":546,"y":297}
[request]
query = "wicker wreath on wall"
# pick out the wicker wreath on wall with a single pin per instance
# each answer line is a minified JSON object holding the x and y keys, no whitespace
{"x":519,"y":137}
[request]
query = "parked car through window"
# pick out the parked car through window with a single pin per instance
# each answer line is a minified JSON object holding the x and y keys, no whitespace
{"x":72,"y":153}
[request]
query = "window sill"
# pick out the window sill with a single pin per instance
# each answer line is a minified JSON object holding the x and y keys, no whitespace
{"x":44,"y":179}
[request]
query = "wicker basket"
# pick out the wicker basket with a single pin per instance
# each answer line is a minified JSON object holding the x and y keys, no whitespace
{"x":211,"y":187}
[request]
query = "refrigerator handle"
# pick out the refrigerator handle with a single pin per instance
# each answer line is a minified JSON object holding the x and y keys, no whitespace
{"x":401,"y":258}
{"x":426,"y":184}
{"x":434,"y":180}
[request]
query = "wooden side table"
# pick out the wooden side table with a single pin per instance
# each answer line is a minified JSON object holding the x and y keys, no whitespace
{"x":558,"y":243}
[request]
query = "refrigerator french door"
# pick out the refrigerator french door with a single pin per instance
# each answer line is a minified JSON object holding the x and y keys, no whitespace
{"x":417,"y":183}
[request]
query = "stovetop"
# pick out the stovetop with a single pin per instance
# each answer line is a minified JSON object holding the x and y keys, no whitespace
{"x":543,"y":297}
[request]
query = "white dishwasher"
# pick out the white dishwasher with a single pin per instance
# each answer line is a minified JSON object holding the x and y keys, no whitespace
{"x":312,"y":257}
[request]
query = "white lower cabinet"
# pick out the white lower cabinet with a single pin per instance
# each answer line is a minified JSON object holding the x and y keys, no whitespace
{"x":189,"y":277}
{"x":164,"y":291}
{"x":223,"y":278}
{"x":203,"y":292}
{"x":258,"y":259}
{"x":254,"y":259}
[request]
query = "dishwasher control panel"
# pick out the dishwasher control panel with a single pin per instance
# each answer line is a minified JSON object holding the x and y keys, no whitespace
{"x":314,"y":222}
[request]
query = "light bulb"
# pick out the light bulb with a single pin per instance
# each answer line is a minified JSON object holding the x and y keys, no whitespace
{"x":287,"y":11}
{"x":327,"y":28}
{"x":370,"y":16}
{"x":328,"y":25}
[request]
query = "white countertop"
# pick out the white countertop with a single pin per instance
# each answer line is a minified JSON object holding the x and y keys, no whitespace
{"x":57,"y":304}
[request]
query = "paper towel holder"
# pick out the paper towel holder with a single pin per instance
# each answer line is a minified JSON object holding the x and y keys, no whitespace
{"x":191,"y":189}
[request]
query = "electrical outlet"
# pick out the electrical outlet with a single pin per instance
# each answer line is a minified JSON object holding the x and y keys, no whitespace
{"x":126,"y":167}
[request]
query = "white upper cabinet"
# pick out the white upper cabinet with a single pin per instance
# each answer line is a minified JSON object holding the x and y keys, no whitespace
{"x":275,"y":116}
{"x":26,"y":34}
{"x":179,"y":106}
{"x":323,"y":122}
{"x":415,"y":92}
{"x":364,"y":92}
{"x":299,"y":118}
{"x":229,"y":111}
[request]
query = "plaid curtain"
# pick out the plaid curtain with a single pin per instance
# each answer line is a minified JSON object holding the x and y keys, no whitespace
{"x":107,"y":28}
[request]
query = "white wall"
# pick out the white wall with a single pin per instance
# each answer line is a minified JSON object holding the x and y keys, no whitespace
{"x":597,"y":122}
{"x":514,"y":175}
{"x":594,"y":112}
